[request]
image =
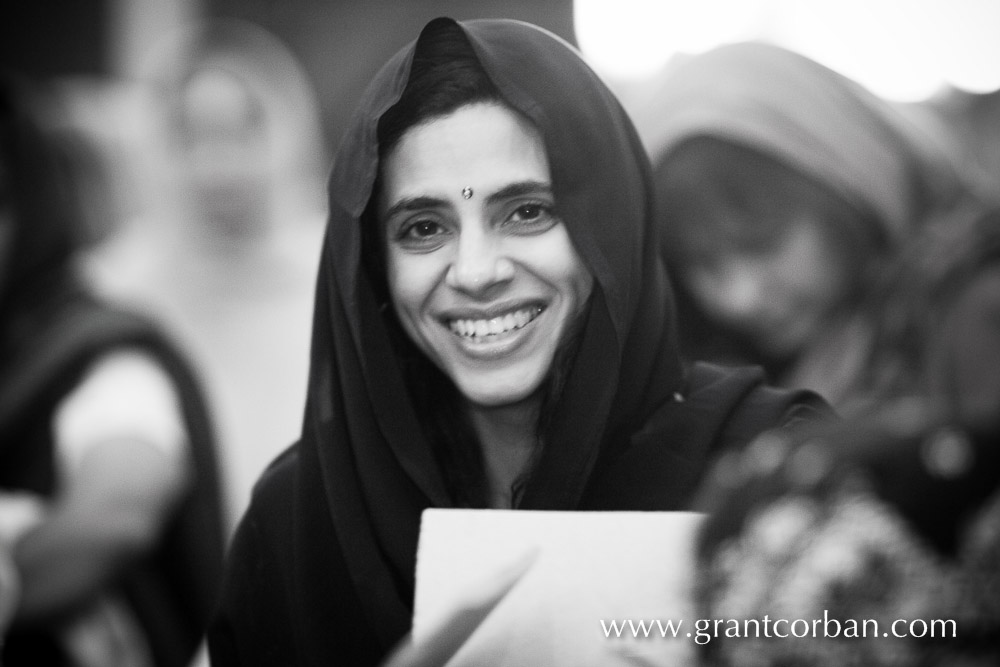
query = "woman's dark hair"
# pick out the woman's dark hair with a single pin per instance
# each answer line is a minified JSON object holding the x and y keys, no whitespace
{"x":445,"y":75}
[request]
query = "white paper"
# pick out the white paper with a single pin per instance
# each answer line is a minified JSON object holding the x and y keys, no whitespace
{"x":589,"y":567}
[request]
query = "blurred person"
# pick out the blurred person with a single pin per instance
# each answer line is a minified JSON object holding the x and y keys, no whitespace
{"x":784,"y":189}
{"x":109,"y":503}
{"x":226,"y":249}
{"x":894,"y":514}
{"x":239,"y":121}
{"x":493,"y":329}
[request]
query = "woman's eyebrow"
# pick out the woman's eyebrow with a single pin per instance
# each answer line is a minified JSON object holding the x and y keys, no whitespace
{"x":519,"y":189}
{"x":408,"y":204}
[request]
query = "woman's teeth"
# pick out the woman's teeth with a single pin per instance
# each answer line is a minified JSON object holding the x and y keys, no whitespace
{"x":495,"y":326}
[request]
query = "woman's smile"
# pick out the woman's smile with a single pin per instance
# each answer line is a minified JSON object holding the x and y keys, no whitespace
{"x":492,"y":326}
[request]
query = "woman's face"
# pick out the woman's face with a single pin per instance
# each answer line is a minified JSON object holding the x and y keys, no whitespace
{"x":781,"y":297}
{"x":482,"y":273}
{"x":763,"y":249}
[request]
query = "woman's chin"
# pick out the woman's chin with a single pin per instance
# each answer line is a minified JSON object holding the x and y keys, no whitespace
{"x":498,"y":394}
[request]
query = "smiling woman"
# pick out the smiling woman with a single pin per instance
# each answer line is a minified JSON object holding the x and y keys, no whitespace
{"x":486,"y":286}
{"x":493,"y":329}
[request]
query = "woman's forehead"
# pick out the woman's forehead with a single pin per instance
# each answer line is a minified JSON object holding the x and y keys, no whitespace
{"x":479,"y":149}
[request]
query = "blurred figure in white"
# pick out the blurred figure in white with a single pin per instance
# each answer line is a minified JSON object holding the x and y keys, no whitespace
{"x":227,"y":249}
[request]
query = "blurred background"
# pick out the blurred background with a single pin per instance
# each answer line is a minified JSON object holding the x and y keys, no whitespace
{"x":210,"y":126}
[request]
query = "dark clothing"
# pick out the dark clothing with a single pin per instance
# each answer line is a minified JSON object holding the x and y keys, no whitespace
{"x":322,"y":567}
{"x":288,"y":596}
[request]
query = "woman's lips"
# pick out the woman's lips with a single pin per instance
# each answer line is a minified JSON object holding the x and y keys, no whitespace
{"x":492,"y":328}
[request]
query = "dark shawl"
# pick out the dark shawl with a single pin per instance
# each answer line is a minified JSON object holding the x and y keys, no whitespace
{"x":322,"y":567}
{"x":51,"y":331}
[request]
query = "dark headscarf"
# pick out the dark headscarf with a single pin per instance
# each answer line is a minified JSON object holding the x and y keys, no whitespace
{"x":332,"y":532}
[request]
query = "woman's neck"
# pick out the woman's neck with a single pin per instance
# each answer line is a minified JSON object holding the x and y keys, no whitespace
{"x":508,"y":438}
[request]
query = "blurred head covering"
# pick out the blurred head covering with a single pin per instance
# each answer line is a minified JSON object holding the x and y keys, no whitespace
{"x":809,"y":118}
{"x":240,"y":129}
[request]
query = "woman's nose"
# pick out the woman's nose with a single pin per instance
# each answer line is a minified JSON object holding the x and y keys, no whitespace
{"x":479,"y":263}
{"x":742,"y":296}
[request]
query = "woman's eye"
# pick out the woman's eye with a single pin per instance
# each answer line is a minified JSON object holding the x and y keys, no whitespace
{"x":529,"y":211}
{"x":423,"y":229}
{"x":532,"y":218}
{"x":421,"y":235}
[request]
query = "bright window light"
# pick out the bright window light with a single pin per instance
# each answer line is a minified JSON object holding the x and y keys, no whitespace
{"x":630,"y":39}
{"x":902,"y":49}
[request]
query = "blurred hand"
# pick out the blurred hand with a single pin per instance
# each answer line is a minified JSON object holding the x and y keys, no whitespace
{"x":444,"y":640}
